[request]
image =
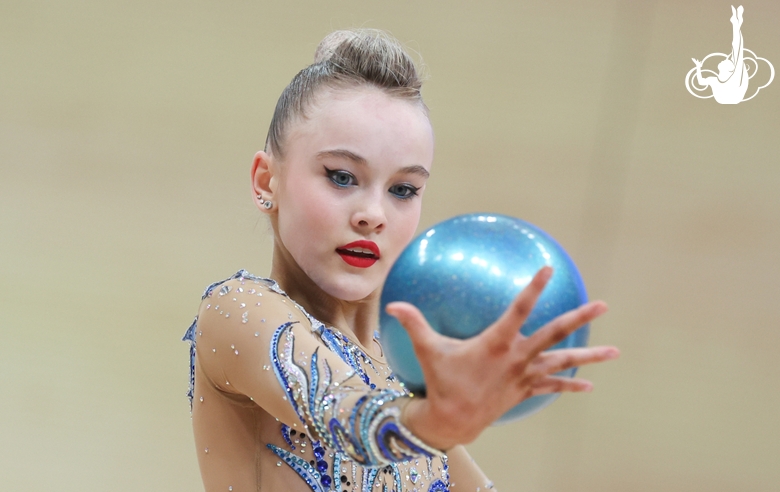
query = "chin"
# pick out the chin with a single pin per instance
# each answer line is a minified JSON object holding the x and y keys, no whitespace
{"x":348,"y":287}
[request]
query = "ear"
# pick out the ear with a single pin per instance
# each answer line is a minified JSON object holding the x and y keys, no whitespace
{"x":264,"y":178}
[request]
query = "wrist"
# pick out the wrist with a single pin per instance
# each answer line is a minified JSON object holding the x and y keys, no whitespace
{"x":416,"y":417}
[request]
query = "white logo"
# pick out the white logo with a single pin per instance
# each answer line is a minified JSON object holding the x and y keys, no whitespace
{"x":735,"y":70}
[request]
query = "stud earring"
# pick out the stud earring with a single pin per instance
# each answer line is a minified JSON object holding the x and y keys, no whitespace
{"x":265,"y":203}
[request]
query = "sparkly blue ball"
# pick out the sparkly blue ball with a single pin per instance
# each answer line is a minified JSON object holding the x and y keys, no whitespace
{"x":463,"y":273}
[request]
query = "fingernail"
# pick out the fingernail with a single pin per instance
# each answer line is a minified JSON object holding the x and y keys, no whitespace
{"x":599,"y":308}
{"x":389,"y":308}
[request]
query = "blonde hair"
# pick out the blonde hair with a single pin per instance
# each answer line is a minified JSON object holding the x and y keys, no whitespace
{"x":364,"y":57}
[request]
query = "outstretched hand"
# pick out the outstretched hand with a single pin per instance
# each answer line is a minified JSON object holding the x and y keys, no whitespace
{"x":471,"y":383}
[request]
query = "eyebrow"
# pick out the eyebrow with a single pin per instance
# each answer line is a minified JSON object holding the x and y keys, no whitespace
{"x":346,"y":154}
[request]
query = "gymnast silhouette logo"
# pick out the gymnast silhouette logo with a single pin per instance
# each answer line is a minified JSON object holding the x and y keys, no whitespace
{"x":730,"y":84}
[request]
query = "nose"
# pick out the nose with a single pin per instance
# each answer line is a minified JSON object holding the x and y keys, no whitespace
{"x":369,"y":215}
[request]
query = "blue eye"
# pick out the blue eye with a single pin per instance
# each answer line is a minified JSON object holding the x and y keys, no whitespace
{"x":404,"y":191}
{"x":341,"y":178}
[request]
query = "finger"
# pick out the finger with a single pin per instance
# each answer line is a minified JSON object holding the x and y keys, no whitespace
{"x":562,"y":326}
{"x":415,"y":324}
{"x":515,"y":315}
{"x":555,"y":384}
{"x":560,"y":360}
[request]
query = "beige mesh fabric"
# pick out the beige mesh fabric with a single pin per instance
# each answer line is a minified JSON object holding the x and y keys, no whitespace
{"x":240,"y":407}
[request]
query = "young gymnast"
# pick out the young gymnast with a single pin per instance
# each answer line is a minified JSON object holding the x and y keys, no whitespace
{"x":289,"y":387}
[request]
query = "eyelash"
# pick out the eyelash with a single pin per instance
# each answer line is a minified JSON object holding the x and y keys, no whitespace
{"x":332,"y":174}
{"x":409,"y":190}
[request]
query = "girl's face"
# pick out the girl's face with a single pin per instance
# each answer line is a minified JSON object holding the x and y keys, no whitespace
{"x":350,"y":188}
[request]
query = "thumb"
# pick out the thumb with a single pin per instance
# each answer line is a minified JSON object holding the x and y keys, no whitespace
{"x":420,"y":332}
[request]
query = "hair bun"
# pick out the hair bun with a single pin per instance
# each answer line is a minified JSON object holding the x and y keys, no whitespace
{"x":344,"y":59}
{"x":371,"y":55}
{"x":329,"y":43}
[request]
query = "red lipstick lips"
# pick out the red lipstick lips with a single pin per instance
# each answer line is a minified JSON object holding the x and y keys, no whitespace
{"x":361,"y":254}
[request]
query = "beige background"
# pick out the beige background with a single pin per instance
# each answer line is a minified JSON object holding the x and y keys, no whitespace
{"x":126,"y":135}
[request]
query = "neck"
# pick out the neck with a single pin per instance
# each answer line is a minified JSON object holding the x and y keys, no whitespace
{"x":357,"y":319}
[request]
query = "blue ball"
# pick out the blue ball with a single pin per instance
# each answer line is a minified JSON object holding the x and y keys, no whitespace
{"x":463,"y":273}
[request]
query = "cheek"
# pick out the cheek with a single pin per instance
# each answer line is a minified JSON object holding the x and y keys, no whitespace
{"x":303,"y":214}
{"x":406,"y":222}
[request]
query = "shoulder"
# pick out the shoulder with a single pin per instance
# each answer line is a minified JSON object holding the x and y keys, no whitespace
{"x":238,"y":321}
{"x":248,"y":301}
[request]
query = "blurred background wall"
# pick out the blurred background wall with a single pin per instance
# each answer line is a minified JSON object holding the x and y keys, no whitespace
{"x":127,"y":129}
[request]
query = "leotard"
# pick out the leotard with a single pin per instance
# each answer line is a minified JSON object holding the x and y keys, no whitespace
{"x":280,"y":401}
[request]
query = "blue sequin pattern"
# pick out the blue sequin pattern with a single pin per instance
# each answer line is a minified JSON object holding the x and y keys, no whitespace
{"x":351,"y":437}
{"x":372,"y":434}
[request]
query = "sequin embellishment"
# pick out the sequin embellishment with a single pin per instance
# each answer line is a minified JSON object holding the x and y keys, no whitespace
{"x":372,"y":435}
{"x":353,"y":440}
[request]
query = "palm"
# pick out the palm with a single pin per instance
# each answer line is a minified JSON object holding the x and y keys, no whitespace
{"x":470,"y":383}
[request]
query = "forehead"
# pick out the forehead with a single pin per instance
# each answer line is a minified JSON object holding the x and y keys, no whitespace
{"x":368,"y":122}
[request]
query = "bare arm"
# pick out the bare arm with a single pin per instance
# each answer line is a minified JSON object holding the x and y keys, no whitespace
{"x":701,"y":80}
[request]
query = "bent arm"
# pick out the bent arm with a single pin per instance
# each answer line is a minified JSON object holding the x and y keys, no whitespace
{"x":701,"y":80}
{"x":254,"y":341}
{"x":343,"y":411}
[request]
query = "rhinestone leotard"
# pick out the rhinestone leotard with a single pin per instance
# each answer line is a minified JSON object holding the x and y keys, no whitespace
{"x":274,"y":389}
